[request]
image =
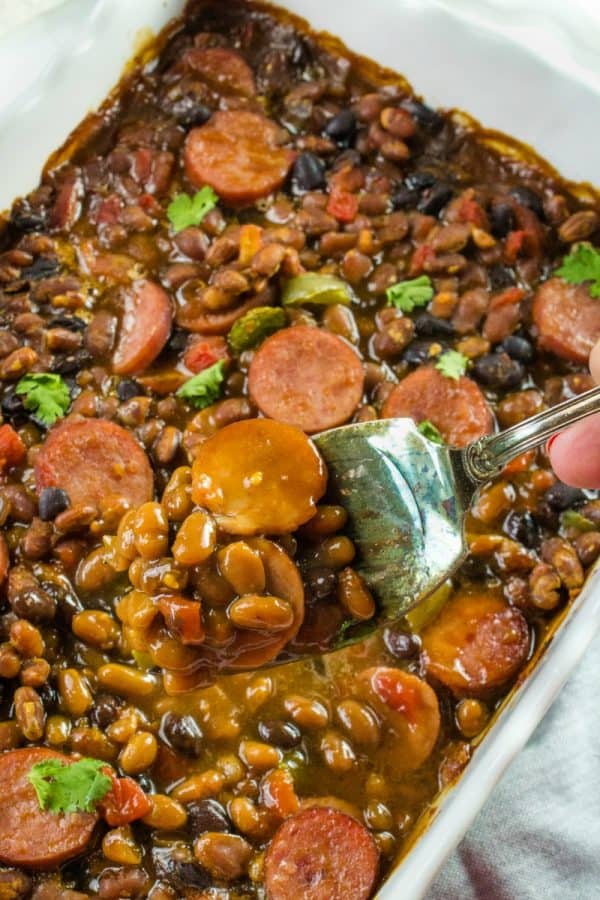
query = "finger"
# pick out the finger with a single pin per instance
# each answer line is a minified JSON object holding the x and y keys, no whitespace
{"x":575,"y":454}
{"x":595,"y":363}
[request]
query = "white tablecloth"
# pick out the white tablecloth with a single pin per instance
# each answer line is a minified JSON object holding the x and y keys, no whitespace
{"x":538,"y":837}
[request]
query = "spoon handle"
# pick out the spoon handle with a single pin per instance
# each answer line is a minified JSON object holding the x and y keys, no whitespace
{"x":485,"y":458}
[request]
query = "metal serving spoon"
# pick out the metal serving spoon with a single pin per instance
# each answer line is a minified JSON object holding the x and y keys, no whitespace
{"x":406,"y":496}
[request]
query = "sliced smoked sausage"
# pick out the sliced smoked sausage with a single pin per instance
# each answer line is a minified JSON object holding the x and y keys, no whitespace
{"x":222,"y":69}
{"x":409,"y":712}
{"x":30,"y":836}
{"x":458,"y":409}
{"x":476,"y":644}
{"x":237,"y":153}
{"x":92,"y":460}
{"x":321,"y":854}
{"x":258,"y":477}
{"x":306,"y":377}
{"x":145,"y":328}
{"x":567,"y":319}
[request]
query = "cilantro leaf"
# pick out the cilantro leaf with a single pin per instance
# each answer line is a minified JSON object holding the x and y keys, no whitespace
{"x":352,"y":631}
{"x":429,"y":430}
{"x":184,"y":210}
{"x":582,"y":264}
{"x":452,"y":364}
{"x":46,"y":395}
{"x":204,"y":388}
{"x":407,"y":294}
{"x":69,"y":787}
{"x":255,"y":326}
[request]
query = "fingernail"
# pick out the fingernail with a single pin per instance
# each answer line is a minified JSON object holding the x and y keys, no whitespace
{"x":551,"y":441}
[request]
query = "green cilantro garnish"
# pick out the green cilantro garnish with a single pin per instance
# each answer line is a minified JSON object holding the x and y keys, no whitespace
{"x":204,"y":388}
{"x":69,"y":787}
{"x":452,"y":364}
{"x":351,"y":631}
{"x":570,"y":518}
{"x":255,"y":326}
{"x":45,"y":395}
{"x":184,"y":210}
{"x":582,"y":264}
{"x":429,"y":431}
{"x":407,"y":294}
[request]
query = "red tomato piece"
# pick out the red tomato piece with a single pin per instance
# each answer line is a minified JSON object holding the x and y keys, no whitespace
{"x":205,"y":352}
{"x":342,"y":205}
{"x":12,"y":448}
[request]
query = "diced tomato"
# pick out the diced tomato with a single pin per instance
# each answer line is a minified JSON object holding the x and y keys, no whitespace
{"x":12,"y":448}
{"x":278,"y":793}
{"x":397,"y":693}
{"x":421,"y":258}
{"x":125,"y":802}
{"x":471,"y":211}
{"x":343,"y":206}
{"x":141,"y":168}
{"x":205,"y":352}
{"x":183,"y":618}
{"x":250,"y":243}
{"x":520,"y":463}
{"x":109,"y":210}
{"x":149,"y":204}
{"x":513,"y":246}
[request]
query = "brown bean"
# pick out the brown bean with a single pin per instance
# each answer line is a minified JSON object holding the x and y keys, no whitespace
{"x":354,"y":595}
{"x":96,"y":627}
{"x":587,"y":546}
{"x":196,"y":539}
{"x":26,"y":638}
{"x":224,"y":856}
{"x":562,"y":556}
{"x":74,"y":692}
{"x":579,"y":226}
{"x":544,"y":587}
{"x":29,"y":713}
{"x":242,"y":567}
{"x":260,"y":612}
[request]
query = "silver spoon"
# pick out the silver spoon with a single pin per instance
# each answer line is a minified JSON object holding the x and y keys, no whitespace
{"x":406,"y":497}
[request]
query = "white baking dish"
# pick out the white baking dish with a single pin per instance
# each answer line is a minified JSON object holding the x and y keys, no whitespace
{"x":534,"y":74}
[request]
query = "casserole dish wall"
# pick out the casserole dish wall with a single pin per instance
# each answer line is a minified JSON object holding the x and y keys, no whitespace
{"x":57,"y":68}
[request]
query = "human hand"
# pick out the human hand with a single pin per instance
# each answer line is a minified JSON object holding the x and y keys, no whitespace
{"x":575,"y":453}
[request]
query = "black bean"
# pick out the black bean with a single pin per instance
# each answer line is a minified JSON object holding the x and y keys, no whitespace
{"x":426,"y":117}
{"x":189,"y":112}
{"x":518,"y":348}
{"x":321,"y":582}
{"x":71,"y":362}
{"x":499,"y":371}
{"x":176,"y":865}
{"x":401,"y":644}
{"x":562,"y":496}
{"x":522,"y":527}
{"x":42,"y":267}
{"x":177,"y":341}
{"x":183,"y":733}
{"x":105,"y":710}
{"x":279,"y":733}
{"x":501,"y":276}
{"x":72,"y":323}
{"x":418,"y":352}
{"x":12,"y":407}
{"x":419,"y":181}
{"x":52,"y":502}
{"x":435,"y":199}
{"x":427,"y":325}
{"x":502,"y":218}
{"x":207,"y":815}
{"x":341,"y":128}
{"x":404,"y":198}
{"x":48,"y":695}
{"x":128,"y":388}
{"x":308,"y":173}
{"x":526,"y":197}
{"x":28,"y":220}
